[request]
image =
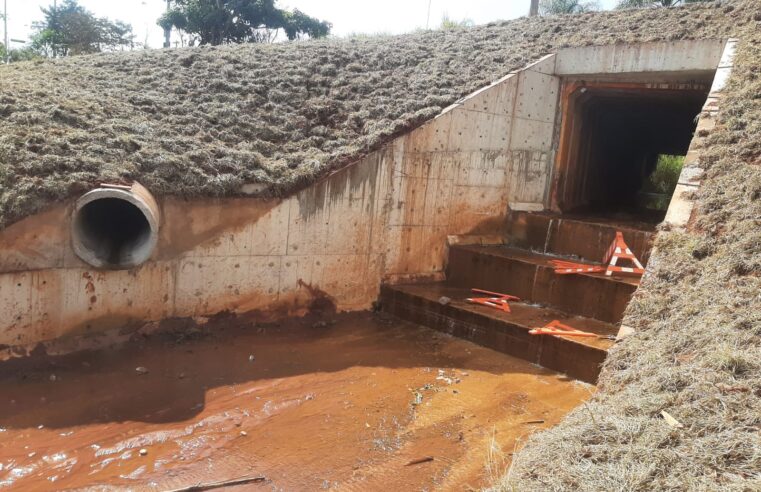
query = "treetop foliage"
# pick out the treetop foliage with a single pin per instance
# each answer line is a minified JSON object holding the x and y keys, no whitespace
{"x":239,"y":21}
{"x":626,"y":4}
{"x":557,"y":7}
{"x":70,"y":29}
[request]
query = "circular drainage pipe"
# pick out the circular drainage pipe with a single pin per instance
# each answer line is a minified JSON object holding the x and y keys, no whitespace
{"x":115,"y":227}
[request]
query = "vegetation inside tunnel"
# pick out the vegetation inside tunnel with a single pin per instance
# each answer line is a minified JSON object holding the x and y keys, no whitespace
{"x":660,"y":184}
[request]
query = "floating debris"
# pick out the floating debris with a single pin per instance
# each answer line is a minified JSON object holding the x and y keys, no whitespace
{"x":418,"y":461}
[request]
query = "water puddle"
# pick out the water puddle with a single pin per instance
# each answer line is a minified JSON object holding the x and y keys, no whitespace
{"x":354,"y":402}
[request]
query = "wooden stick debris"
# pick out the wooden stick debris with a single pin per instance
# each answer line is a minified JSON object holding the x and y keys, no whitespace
{"x":425,"y":459}
{"x":218,"y":485}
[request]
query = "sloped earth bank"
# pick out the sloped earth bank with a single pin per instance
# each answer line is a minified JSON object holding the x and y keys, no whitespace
{"x":344,"y":403}
{"x":205,"y":121}
{"x":697,"y":353}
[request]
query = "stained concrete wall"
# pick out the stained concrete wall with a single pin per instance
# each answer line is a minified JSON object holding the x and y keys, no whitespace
{"x":384,"y":219}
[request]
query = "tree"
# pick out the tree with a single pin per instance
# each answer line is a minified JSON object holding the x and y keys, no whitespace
{"x":239,"y":21}
{"x":70,"y":29}
{"x":627,"y":4}
{"x":18,"y":54}
{"x":557,"y":7}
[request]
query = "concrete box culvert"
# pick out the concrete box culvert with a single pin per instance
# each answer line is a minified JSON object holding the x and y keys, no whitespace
{"x":115,"y":227}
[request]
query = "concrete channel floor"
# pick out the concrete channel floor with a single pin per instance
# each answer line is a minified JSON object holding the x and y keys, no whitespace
{"x":345,"y":402}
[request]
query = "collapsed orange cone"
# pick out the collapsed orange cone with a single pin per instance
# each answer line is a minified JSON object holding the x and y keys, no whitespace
{"x":495,"y":299}
{"x":569,"y":267}
{"x":555,"y":327}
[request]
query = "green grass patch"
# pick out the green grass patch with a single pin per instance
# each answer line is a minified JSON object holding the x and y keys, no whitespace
{"x":666,"y":174}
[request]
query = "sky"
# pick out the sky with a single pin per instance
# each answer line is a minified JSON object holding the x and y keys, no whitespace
{"x":347,"y":16}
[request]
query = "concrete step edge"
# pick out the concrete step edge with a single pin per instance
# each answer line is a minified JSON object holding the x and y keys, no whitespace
{"x":506,"y":336}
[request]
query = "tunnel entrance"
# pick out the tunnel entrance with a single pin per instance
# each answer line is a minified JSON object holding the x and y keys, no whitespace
{"x":620,"y":145}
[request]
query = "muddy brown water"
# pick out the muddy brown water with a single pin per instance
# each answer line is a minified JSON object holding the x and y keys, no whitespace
{"x":345,"y":403}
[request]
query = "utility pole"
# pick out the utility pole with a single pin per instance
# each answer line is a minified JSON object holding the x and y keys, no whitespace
{"x":428,"y":18}
{"x":5,"y":32}
{"x":534,"y":9}
{"x":168,"y":30}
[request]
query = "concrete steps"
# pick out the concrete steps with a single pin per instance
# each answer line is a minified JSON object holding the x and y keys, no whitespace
{"x":576,"y":236}
{"x":589,"y":302}
{"x":579,"y":358}
{"x":531,"y":277}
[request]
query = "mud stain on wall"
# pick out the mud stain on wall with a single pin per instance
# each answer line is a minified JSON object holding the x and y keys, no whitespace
{"x":186,"y":225}
{"x":35,"y":242}
{"x":355,"y":182}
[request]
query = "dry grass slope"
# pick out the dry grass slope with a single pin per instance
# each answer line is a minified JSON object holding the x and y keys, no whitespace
{"x":697,"y":354}
{"x":205,"y":121}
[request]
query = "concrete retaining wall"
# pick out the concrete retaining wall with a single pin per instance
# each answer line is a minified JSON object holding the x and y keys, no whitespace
{"x":683,"y":200}
{"x":385,"y":218}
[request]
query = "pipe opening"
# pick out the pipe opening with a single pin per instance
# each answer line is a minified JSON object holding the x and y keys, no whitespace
{"x":114,"y":229}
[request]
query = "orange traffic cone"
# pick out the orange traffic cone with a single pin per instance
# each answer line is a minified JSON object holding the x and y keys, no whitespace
{"x":620,"y":251}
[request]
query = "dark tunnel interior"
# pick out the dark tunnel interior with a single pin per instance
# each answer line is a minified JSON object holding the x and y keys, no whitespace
{"x":612,"y":137}
{"x":113,"y":230}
